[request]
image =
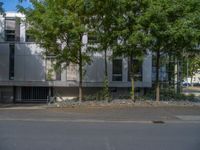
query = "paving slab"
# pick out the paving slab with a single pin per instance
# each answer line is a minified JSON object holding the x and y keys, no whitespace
{"x":189,"y":117}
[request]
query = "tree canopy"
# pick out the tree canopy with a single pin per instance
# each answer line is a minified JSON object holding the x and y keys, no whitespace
{"x":128,"y":28}
{"x":172,"y":27}
{"x":1,"y":8}
{"x":59,"y":26}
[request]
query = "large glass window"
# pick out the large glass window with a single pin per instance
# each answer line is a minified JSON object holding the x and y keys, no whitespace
{"x":10,"y":35}
{"x":117,"y":70}
{"x":12,"y":29}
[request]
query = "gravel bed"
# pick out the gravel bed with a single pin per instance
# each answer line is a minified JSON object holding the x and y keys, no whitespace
{"x":121,"y":102}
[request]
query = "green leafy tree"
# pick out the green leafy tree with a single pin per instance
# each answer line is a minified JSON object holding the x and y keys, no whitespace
{"x":131,"y":40}
{"x":184,"y":31}
{"x":58,"y":26}
{"x":191,"y":66}
{"x":102,"y":25}
{"x":173,"y":27}
{"x":194,"y":66}
{"x":1,"y":8}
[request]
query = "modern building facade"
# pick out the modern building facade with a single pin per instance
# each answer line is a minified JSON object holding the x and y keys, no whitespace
{"x":28,"y":76}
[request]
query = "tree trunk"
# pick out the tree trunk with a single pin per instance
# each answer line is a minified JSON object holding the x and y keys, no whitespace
{"x":106,"y":93}
{"x":187,"y":72}
{"x":80,"y":77}
{"x":174,"y":73}
{"x":169,"y":71}
{"x":157,"y":76}
{"x":132,"y":78}
{"x":132,"y":89}
{"x":177,"y":75}
{"x":179,"y":87}
{"x":106,"y":63}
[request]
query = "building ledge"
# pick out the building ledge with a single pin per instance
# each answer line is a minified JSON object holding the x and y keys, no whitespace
{"x":72,"y":84}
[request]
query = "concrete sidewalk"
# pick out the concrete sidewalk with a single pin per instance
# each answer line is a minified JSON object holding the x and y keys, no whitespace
{"x":23,"y":106}
{"x":102,"y":114}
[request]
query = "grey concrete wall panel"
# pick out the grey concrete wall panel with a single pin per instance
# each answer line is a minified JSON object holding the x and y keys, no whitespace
{"x":19,"y":68}
{"x":34,"y":68}
{"x":30,"y":65}
{"x":4,"y":62}
{"x":147,"y":71}
{"x":4,"y":49}
{"x":34,"y":49}
{"x":4,"y":67}
{"x":28,"y":49}
{"x":23,"y":31}
{"x":17,"y":31}
{"x":125,"y":70}
{"x":6,"y":94}
{"x":71,"y":84}
{"x":109,"y":69}
{"x":95,"y":71}
{"x":64,"y":75}
{"x":2,"y":23}
{"x":73,"y":91}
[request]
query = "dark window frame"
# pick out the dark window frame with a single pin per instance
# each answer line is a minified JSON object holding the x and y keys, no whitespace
{"x":11,"y":61}
{"x":12,"y":35}
{"x":117,"y":73}
{"x":9,"y":36}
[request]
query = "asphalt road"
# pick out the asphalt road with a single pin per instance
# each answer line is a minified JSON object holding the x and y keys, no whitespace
{"x":44,"y":135}
{"x":101,"y":129}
